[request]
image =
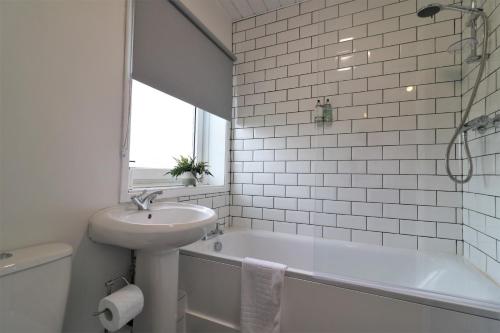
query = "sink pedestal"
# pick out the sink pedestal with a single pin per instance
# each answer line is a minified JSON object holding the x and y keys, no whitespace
{"x":157,"y":276}
{"x":156,"y":235}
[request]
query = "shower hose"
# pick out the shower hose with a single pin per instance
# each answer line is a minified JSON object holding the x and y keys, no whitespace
{"x":484,"y":57}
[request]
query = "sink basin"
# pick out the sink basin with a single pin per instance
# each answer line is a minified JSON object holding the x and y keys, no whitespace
{"x":164,"y":226}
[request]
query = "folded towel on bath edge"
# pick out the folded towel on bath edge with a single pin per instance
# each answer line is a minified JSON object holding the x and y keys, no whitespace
{"x":262,"y":285}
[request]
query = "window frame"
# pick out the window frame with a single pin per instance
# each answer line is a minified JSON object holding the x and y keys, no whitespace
{"x":201,"y":141}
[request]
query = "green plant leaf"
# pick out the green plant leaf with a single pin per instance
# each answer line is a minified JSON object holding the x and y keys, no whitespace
{"x":189,"y":164}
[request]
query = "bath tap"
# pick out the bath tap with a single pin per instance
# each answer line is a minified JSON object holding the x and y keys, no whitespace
{"x":211,"y":234}
{"x":144,"y":200}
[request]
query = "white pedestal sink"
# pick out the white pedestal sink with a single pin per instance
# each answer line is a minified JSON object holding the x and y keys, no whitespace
{"x":156,"y":234}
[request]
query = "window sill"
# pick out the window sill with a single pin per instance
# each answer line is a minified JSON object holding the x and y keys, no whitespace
{"x":180,"y":191}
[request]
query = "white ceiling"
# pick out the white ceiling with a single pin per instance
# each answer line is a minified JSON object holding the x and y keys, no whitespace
{"x":238,"y":9}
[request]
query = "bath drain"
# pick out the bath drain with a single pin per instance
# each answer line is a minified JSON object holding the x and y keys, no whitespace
{"x":217,"y":246}
{"x":5,"y":255}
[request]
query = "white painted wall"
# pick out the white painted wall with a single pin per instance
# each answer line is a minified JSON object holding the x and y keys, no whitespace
{"x":61,"y":75}
{"x":214,"y":17}
{"x":1,"y":135}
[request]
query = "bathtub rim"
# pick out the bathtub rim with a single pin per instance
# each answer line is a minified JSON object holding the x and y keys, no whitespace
{"x":435,"y":299}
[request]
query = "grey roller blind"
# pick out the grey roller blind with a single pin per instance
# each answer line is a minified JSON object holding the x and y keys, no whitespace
{"x":172,"y":55}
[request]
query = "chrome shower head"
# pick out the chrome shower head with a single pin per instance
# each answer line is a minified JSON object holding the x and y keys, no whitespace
{"x":434,"y":8}
{"x":429,"y":10}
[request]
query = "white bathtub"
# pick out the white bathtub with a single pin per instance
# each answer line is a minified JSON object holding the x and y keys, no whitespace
{"x":335,"y":286}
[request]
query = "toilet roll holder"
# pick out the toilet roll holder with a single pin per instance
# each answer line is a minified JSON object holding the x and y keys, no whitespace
{"x":109,"y":289}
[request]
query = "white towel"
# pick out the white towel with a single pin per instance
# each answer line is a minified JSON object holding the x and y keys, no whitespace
{"x":261,"y":294}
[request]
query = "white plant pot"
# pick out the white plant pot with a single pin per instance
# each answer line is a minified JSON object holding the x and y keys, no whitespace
{"x":187,"y":179}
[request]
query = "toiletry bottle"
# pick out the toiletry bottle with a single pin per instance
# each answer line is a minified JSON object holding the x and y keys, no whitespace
{"x":327,"y":112}
{"x":318,"y":112}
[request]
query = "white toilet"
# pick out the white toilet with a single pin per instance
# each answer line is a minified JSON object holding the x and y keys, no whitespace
{"x":34,"y":283}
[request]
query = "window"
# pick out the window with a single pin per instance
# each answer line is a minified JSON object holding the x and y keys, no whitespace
{"x":162,"y":128}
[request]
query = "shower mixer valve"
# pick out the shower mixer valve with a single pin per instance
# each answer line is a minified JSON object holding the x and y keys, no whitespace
{"x":482,"y":123}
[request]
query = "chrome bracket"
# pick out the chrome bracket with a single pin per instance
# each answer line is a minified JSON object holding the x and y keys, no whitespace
{"x":109,"y":288}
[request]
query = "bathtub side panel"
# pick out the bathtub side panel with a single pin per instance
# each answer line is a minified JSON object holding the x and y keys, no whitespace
{"x":315,"y":307}
{"x":197,"y":324}
{"x":213,"y":290}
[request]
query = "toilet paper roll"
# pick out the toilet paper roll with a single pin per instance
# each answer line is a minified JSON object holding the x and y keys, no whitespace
{"x":120,"y":307}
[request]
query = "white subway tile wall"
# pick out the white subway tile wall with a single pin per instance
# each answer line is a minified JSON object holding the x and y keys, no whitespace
{"x":481,"y":197}
{"x":376,"y":175}
{"x":219,"y":202}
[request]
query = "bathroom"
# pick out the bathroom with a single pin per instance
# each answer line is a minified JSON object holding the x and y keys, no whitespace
{"x":328,"y":145}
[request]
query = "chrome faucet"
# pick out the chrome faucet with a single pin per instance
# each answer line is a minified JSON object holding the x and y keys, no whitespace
{"x":144,"y":200}
{"x":217,"y":231}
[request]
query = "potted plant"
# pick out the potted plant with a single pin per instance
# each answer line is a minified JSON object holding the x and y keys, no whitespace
{"x":189,"y":170}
